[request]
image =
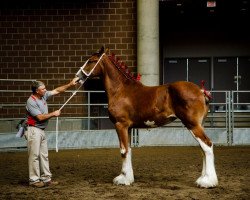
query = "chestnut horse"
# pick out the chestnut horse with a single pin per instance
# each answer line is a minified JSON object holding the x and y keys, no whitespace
{"x":134,"y":105}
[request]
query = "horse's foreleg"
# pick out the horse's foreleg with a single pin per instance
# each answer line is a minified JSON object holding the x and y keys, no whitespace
{"x":208,"y":177}
{"x":127,"y":176}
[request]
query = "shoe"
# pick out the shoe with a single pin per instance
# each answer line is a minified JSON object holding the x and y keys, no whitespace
{"x":51,"y":183}
{"x":37,"y":184}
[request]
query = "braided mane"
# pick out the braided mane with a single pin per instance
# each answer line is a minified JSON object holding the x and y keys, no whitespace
{"x":121,"y":66}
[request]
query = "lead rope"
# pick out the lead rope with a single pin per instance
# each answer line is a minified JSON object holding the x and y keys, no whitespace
{"x":74,"y":93}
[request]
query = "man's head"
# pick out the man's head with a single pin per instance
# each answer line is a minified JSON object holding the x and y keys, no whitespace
{"x":38,"y":88}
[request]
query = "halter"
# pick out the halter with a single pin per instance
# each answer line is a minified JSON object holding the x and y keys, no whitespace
{"x":82,"y":72}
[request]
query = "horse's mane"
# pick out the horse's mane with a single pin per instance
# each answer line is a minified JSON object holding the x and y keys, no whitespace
{"x":121,"y":66}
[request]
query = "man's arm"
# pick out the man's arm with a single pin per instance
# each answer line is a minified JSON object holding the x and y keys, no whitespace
{"x":42,"y":117}
{"x":64,"y":87}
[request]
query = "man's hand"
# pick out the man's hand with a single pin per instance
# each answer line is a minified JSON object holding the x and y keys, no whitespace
{"x":74,"y":81}
{"x":57,"y":113}
{"x":43,"y":117}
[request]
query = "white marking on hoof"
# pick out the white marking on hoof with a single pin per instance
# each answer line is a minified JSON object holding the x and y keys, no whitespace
{"x":207,"y":181}
{"x":123,"y":180}
{"x":150,"y":124}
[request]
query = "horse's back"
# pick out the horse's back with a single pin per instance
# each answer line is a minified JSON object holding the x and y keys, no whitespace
{"x":184,"y":85}
{"x":185,"y":91}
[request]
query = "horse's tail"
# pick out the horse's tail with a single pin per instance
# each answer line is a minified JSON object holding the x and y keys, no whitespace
{"x":206,"y":93}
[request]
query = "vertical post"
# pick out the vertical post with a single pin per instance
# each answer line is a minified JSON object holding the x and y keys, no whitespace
{"x":228,"y":110}
{"x":237,"y":82}
{"x":212,"y":73}
{"x":148,"y":60}
{"x":230,"y":117}
{"x":135,"y":137}
{"x":88,"y":110}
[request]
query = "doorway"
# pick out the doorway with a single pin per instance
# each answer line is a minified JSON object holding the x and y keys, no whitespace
{"x":187,"y":69}
{"x":219,"y":73}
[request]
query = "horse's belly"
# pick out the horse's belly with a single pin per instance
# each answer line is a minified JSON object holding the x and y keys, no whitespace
{"x":157,"y":121}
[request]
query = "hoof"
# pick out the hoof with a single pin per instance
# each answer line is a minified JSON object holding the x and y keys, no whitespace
{"x":123,"y":180}
{"x":207,"y":182}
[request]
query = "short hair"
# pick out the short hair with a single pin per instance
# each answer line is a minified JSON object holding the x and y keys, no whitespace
{"x":35,"y":85}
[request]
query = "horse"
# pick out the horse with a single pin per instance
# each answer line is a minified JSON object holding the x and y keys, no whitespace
{"x":134,"y":105}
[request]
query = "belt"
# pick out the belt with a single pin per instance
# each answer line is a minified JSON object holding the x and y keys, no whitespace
{"x":37,"y":127}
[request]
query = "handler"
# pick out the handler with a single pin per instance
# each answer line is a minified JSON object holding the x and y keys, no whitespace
{"x":36,"y":122}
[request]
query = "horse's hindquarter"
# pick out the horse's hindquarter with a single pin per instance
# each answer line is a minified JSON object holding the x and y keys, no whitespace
{"x":188,"y":101}
{"x":186,"y":94}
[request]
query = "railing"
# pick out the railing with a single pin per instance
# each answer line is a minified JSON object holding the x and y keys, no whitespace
{"x":85,"y":115}
{"x":224,"y":113}
{"x":219,"y":112}
{"x":240,"y":114}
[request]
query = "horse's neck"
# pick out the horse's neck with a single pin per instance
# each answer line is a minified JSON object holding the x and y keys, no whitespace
{"x":114,"y":80}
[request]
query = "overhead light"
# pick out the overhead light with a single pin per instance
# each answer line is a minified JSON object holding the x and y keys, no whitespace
{"x":222,"y":60}
{"x":211,"y":4}
{"x":172,"y":61}
{"x":202,"y":60}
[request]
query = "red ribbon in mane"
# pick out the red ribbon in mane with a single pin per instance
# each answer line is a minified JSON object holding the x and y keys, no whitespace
{"x":207,"y":93}
{"x":122,"y":66}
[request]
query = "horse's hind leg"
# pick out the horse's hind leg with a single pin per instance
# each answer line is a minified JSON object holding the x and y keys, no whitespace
{"x":208,"y":177}
{"x":127,"y":176}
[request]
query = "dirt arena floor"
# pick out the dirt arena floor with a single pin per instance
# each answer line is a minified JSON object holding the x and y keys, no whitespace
{"x":160,"y":173}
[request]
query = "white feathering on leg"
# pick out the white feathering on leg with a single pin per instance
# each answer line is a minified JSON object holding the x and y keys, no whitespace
{"x":127,"y":176}
{"x":209,"y":178}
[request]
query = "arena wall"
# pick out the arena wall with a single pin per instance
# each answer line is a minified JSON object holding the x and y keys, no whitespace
{"x":164,"y":136}
{"x":50,"y":40}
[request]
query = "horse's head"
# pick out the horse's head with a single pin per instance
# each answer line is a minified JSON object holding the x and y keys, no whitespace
{"x":92,"y":67}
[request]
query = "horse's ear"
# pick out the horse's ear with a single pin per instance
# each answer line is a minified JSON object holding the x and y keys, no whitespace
{"x":107,"y":51}
{"x":101,"y":50}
